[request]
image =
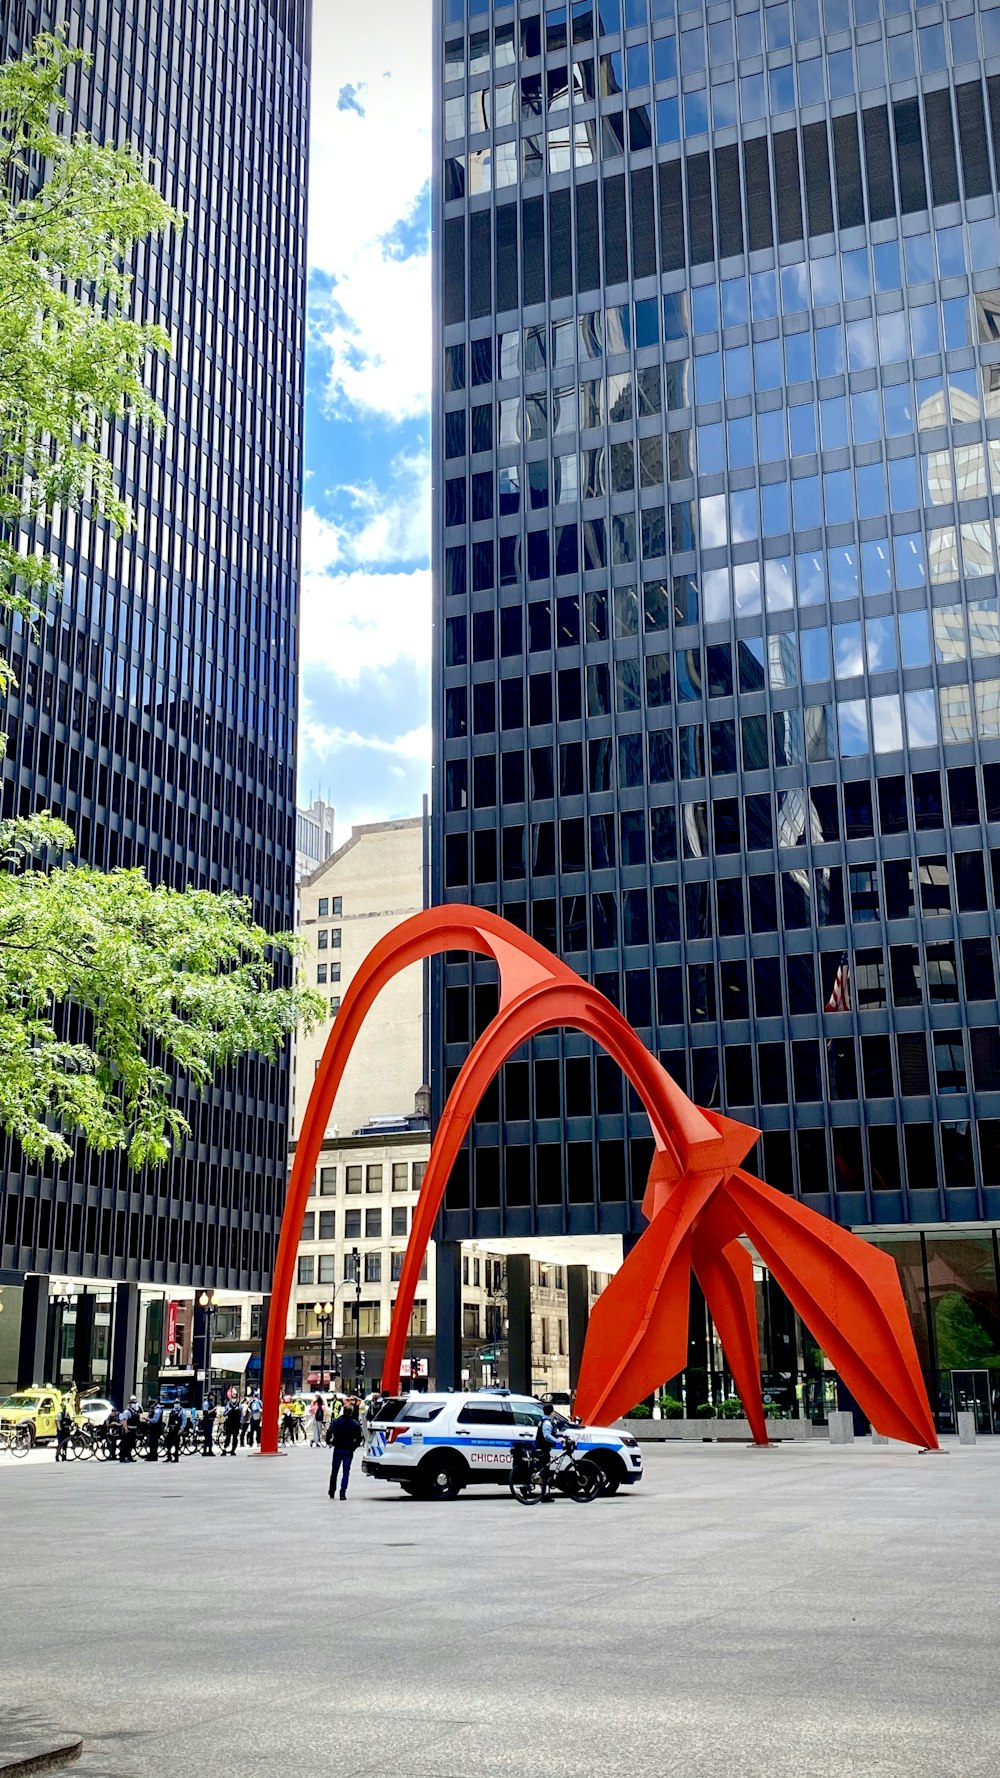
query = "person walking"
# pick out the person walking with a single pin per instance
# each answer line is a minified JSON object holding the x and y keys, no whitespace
{"x":256,"y":1416}
{"x":64,"y":1428}
{"x":231,"y":1427}
{"x":345,"y":1436}
{"x":208,"y":1426}
{"x":174,"y":1428}
{"x":155,"y":1424}
{"x":298,"y":1419}
{"x":318,"y":1413}
{"x":246,"y":1424}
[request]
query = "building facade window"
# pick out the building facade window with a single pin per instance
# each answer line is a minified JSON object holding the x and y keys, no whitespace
{"x":732,"y":528}
{"x":169,"y":671}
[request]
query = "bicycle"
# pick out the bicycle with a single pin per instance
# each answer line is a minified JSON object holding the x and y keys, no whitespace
{"x":105,"y":1443}
{"x":563,"y":1472}
{"x":16,"y":1441}
{"x":83,"y":1443}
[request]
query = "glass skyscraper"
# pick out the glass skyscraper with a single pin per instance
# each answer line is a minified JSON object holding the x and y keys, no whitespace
{"x":717,"y":708}
{"x":156,"y":710}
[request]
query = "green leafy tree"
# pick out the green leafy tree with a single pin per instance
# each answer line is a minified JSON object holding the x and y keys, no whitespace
{"x":107,"y":983}
{"x":963,"y":1342}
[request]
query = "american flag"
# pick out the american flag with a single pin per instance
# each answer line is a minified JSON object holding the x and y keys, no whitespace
{"x":840,"y":993}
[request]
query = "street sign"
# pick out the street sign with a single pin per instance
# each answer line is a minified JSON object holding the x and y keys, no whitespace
{"x":490,"y":1356}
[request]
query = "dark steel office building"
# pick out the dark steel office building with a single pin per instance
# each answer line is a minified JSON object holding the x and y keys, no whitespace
{"x":717,"y":709}
{"x":156,"y":712}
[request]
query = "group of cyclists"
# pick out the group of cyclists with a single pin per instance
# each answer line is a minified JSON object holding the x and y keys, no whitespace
{"x":134,"y":1433}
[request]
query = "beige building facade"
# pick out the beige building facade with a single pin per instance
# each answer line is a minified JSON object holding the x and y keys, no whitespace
{"x":365,"y":888}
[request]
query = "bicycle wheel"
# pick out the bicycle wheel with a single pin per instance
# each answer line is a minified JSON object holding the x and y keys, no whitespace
{"x":582,"y":1481}
{"x":24,"y":1438}
{"x":526,"y":1489}
{"x":81,"y":1446}
{"x":102,"y":1446}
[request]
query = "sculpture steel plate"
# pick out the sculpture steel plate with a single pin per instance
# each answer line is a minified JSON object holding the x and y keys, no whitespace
{"x":699,"y":1201}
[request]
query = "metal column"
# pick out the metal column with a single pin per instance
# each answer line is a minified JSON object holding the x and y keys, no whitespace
{"x":83,"y":1338}
{"x":577,"y":1315}
{"x":519,"y":1316}
{"x":34,"y":1330}
{"x":124,"y":1341}
{"x":448,"y":1315}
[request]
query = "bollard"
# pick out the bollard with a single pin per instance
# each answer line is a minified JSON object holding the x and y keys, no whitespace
{"x":841,"y":1426}
{"x":966,"y":1427}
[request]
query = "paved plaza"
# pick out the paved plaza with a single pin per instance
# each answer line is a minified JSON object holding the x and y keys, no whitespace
{"x":804,"y":1612}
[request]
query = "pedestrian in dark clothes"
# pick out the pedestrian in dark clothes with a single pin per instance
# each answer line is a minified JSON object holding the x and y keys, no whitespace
{"x":345,"y":1436}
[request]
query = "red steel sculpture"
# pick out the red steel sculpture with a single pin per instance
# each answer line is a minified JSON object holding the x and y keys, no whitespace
{"x":699,"y":1201}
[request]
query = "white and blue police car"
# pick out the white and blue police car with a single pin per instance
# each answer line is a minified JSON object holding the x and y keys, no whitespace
{"x":436,"y":1445}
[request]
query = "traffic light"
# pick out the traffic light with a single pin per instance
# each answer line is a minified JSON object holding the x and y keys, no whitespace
{"x":361,"y":1364}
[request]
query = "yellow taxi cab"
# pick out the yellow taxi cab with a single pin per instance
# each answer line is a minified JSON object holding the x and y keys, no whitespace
{"x":38,"y":1408}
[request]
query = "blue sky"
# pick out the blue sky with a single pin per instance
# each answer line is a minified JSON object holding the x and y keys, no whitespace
{"x":364,"y":737}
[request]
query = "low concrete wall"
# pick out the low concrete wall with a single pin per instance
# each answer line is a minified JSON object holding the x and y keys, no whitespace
{"x":650,"y":1432}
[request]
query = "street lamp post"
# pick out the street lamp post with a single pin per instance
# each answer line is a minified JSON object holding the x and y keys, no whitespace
{"x":413,"y":1355}
{"x":324,"y":1315}
{"x":65,"y":1298}
{"x":496,"y":1303}
{"x":356,"y":1260}
{"x":209,"y":1307}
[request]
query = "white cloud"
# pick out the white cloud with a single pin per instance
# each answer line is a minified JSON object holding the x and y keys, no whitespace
{"x":391,"y":524}
{"x":360,"y":621}
{"x":370,"y":167}
{"x":413,"y":747}
{"x":357,"y":613}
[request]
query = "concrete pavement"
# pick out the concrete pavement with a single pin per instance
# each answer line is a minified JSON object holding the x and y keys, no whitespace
{"x":802,"y":1612}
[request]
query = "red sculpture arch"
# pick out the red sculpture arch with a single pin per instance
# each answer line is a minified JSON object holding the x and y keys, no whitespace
{"x":699,"y":1201}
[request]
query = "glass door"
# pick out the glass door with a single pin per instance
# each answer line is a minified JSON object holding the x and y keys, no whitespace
{"x":971,"y":1394}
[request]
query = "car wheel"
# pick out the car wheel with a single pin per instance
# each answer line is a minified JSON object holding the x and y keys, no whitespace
{"x":441,"y":1478}
{"x":412,"y":1489}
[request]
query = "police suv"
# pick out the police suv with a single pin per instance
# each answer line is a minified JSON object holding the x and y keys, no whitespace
{"x":436,"y":1445}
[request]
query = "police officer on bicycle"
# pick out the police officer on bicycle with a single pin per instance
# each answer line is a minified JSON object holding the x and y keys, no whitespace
{"x":548,"y":1440}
